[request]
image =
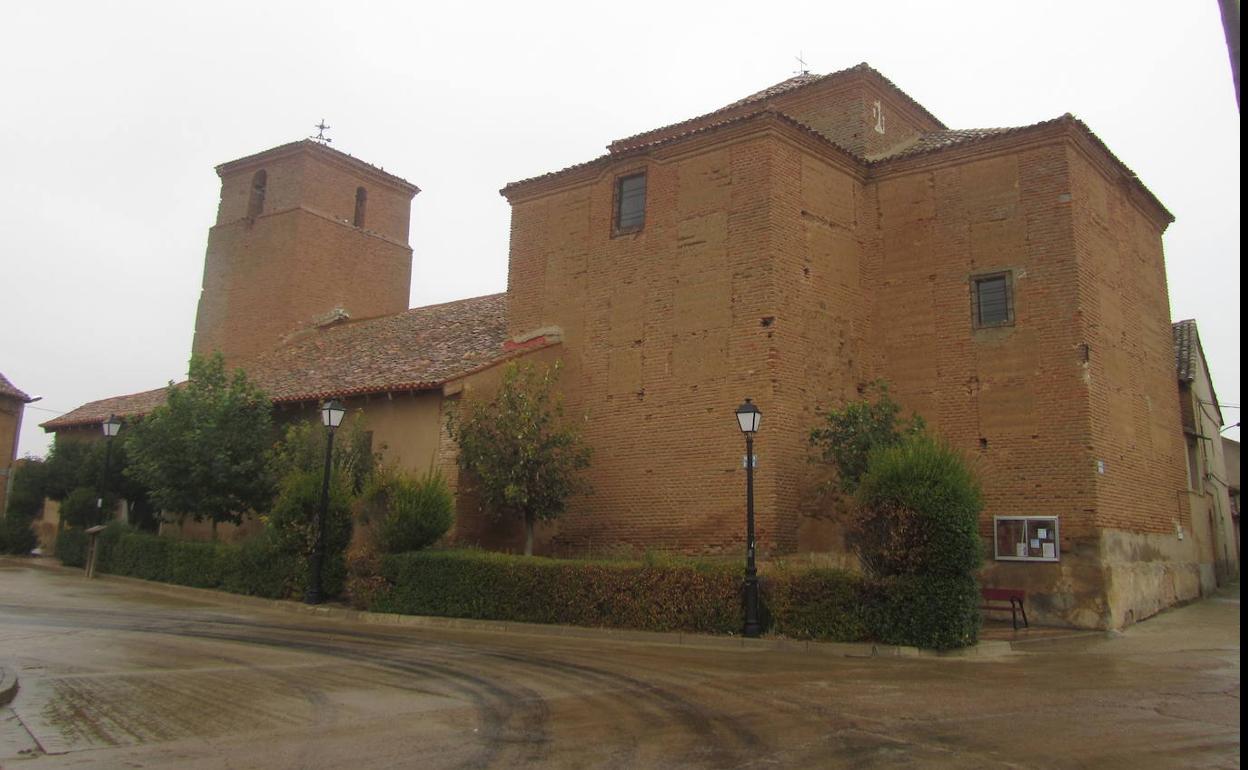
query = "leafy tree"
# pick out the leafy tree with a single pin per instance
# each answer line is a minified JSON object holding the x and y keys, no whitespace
{"x":293,"y":522}
{"x":26,"y":494}
{"x":80,"y":508}
{"x":66,"y":468}
{"x":519,"y":454}
{"x":848,"y":436}
{"x":206,"y":451}
{"x":303,"y":449}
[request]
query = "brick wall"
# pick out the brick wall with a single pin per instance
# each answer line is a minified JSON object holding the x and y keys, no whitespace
{"x":268,"y":276}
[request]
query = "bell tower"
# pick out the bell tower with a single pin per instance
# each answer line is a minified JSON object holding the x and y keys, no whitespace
{"x":305,"y":235}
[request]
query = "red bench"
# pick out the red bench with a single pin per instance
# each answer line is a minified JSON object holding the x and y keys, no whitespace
{"x":995,"y":597}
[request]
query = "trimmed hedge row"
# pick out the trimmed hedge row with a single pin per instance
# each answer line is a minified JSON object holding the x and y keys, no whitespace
{"x":256,"y":568}
{"x":825,"y":604}
{"x":476,"y":584}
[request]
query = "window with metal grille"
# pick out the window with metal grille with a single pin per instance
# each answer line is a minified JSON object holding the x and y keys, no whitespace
{"x":630,"y":203}
{"x":992,"y":300}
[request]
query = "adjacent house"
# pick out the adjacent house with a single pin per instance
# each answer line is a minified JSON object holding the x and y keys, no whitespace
{"x":12,"y":404}
{"x":792,"y":247}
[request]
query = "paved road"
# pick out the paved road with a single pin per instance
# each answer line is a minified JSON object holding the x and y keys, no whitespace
{"x":113,"y":675}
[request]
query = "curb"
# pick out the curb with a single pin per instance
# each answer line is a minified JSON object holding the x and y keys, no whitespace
{"x":8,"y":683}
{"x":981,"y":651}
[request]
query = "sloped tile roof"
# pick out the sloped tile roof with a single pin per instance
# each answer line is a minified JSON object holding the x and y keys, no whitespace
{"x":418,"y":349}
{"x":932,"y":141}
{"x":785,"y":86}
{"x":314,"y":146}
{"x":9,"y":390}
{"x":1186,"y":346}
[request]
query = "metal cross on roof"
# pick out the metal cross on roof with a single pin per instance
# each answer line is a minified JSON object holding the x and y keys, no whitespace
{"x":320,"y":133}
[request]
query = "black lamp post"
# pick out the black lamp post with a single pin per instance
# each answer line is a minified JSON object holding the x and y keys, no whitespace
{"x":748,"y":419}
{"x":112,"y":426}
{"x":331,"y":415}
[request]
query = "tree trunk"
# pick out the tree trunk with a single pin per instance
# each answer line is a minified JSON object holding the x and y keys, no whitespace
{"x":214,"y":530}
{"x":528,"y":535}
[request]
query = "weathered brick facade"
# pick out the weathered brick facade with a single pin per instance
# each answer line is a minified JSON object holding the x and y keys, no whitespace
{"x":800,"y":245}
{"x":288,"y":250}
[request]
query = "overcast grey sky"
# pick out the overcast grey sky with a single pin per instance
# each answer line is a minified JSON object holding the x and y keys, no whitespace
{"x":114,"y":114}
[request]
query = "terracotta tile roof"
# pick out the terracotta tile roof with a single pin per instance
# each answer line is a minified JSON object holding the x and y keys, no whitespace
{"x":1186,"y":347}
{"x":9,"y":390}
{"x":97,"y":412}
{"x":1189,"y":358}
{"x":783,"y":87}
{"x":932,"y":141}
{"x":418,"y":349}
{"x":413,"y":350}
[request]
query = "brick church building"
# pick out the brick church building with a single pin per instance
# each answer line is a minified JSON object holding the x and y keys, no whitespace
{"x":791,"y":247}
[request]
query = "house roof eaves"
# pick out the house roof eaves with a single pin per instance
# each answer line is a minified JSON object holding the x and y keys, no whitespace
{"x":1004,"y":136}
{"x":314,"y":146}
{"x":642,"y":149}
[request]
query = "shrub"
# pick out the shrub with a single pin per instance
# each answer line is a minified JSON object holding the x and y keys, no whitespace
{"x":818,"y":604}
{"x":849,"y":435}
{"x":686,"y":597}
{"x":293,"y":520}
{"x":934,"y":612}
{"x":16,"y":536}
{"x":134,"y":554}
{"x":27,"y":490}
{"x":417,"y":512}
{"x":80,"y":508}
{"x":199,"y":565}
{"x":258,"y":567}
{"x":71,"y":547}
{"x":926,"y":486}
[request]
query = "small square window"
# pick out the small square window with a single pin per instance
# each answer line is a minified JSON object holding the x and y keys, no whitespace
{"x":1026,"y":538}
{"x":630,"y":203}
{"x":992,"y":300}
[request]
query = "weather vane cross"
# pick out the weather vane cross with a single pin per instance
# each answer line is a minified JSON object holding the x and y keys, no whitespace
{"x":320,"y":133}
{"x":802,"y":69}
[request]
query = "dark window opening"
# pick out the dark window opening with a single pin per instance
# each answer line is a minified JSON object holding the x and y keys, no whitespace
{"x":361,"y":199}
{"x":259,"y":183}
{"x":992,"y":300}
{"x":630,"y":203}
{"x":1193,"y":463}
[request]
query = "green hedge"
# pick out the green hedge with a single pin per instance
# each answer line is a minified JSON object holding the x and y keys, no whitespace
{"x":16,"y":536}
{"x":258,"y":567}
{"x":824,"y":604}
{"x":927,"y":611}
{"x":470,"y":584}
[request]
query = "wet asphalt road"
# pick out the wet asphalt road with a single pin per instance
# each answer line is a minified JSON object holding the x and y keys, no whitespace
{"x":116,"y":676}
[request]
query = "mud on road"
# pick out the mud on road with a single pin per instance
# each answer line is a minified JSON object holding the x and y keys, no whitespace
{"x":113,"y":675}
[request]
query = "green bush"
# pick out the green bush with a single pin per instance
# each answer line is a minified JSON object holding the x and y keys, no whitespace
{"x":686,"y":597}
{"x":16,"y":536}
{"x":125,"y":552}
{"x":818,"y":604}
{"x":927,"y":486}
{"x":417,"y":512}
{"x":199,"y":565}
{"x":27,"y":490}
{"x":259,"y":567}
{"x":933,"y":612}
{"x":80,"y":508}
{"x":71,"y":547}
{"x":293,"y":520}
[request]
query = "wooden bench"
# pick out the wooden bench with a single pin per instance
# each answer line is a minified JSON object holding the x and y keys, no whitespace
{"x":994,"y":597}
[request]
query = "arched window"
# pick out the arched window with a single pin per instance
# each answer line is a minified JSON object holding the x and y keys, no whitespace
{"x":361,"y":199}
{"x":258,"y":184}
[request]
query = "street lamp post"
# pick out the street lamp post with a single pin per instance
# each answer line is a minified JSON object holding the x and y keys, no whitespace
{"x":112,"y":426}
{"x":331,"y":416}
{"x":748,"y":419}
